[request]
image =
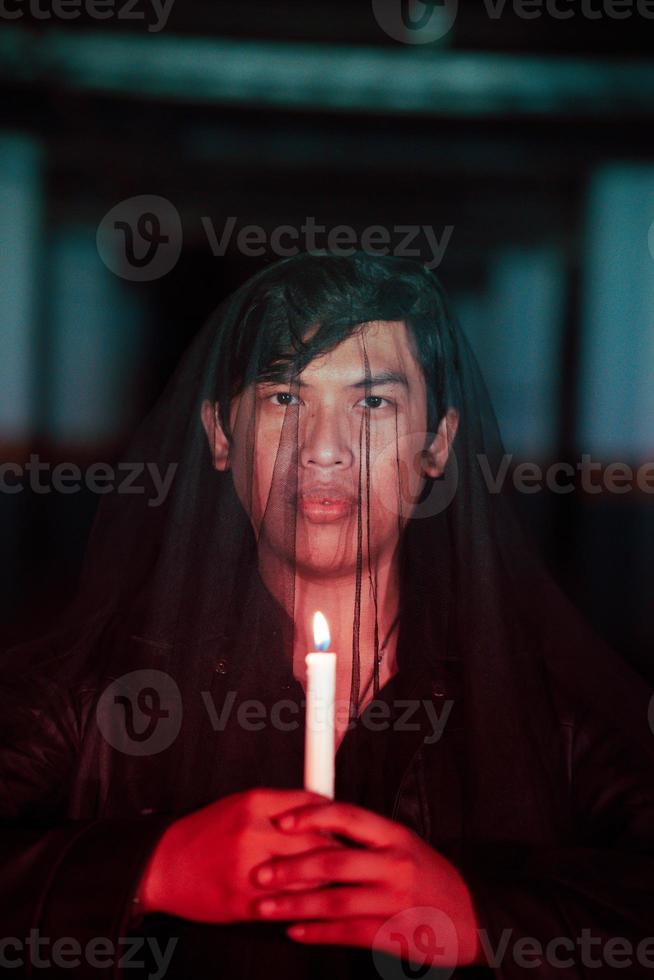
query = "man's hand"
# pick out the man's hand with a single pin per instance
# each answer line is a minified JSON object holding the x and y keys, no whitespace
{"x":202,"y":866}
{"x":394,"y":876}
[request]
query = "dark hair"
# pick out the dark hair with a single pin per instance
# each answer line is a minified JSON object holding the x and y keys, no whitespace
{"x":266,"y":339}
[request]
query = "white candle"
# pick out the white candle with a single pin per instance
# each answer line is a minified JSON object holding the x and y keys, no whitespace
{"x":319,"y":730}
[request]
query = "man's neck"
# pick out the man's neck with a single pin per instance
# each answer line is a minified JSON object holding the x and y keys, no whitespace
{"x":335,"y":598}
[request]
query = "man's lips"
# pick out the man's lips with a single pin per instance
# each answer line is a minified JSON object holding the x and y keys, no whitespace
{"x":324,"y":504}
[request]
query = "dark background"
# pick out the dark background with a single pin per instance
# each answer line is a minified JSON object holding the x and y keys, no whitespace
{"x":530,"y":137}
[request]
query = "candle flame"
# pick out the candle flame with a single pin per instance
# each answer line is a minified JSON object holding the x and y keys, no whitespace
{"x":321,"y":636}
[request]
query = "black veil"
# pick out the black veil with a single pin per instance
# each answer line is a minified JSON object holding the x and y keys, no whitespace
{"x":193,"y":589}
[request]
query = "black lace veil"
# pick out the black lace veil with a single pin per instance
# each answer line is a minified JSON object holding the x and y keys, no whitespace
{"x":209,"y":576}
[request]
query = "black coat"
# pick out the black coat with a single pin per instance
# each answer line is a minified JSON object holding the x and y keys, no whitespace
{"x":80,"y":820}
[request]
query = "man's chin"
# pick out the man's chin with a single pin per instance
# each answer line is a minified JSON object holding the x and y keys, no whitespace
{"x":324,"y":549}
{"x":324,"y":570}
{"x":319,"y":563}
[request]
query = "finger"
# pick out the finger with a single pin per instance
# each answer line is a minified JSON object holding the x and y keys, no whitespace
{"x":346,"y":819}
{"x":339,"y":932}
{"x":282,"y":845}
{"x":281,"y":800}
{"x":341,"y":902}
{"x":302,"y":886}
{"x":325,"y":864}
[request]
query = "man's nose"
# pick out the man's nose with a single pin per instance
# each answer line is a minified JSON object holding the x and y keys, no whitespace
{"x":326,"y":440}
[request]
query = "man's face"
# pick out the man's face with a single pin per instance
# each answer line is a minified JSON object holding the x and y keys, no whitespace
{"x":308,"y":443}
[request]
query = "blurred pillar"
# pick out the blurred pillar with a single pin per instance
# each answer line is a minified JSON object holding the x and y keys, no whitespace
{"x":516,"y":332}
{"x":96,"y":330}
{"x":616,"y":392}
{"x":21,"y":221}
{"x":616,"y":409}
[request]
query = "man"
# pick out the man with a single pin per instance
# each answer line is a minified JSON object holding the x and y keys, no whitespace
{"x":488,"y":797}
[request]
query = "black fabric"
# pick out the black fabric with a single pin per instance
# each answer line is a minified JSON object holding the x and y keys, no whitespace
{"x":175,"y":587}
{"x":80,"y":870}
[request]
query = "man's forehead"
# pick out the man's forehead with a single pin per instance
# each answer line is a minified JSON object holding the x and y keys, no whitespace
{"x":380,"y":347}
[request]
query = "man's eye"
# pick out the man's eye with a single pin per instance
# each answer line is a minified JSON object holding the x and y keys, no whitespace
{"x":284,"y":398}
{"x":374,"y":401}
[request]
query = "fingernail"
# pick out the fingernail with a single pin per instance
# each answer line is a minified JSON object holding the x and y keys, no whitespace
{"x":265,"y":908}
{"x":264,"y":875}
{"x":287,"y":822}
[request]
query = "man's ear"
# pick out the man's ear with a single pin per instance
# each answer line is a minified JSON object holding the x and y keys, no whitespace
{"x":435,"y":456}
{"x":218,"y":443}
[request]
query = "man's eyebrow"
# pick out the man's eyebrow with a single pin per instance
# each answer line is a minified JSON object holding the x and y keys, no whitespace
{"x":383,"y":378}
